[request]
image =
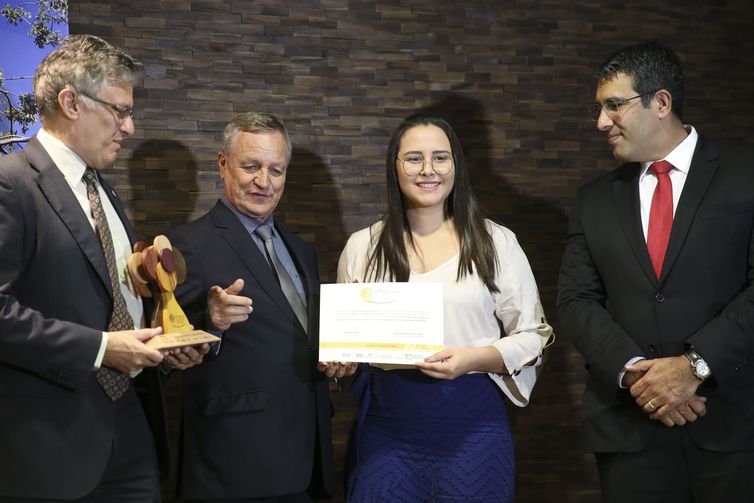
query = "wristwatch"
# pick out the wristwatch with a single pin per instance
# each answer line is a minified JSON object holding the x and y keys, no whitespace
{"x":698,"y":366}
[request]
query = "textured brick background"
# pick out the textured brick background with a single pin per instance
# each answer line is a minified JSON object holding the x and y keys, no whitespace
{"x":514,"y":77}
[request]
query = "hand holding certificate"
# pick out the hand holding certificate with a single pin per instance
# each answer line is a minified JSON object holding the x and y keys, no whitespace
{"x":396,"y":323}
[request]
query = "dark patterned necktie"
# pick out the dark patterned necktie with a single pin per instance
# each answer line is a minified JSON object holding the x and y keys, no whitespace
{"x":113,"y":382}
{"x":286,"y":283}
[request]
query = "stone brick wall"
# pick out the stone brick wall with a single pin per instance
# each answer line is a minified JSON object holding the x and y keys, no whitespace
{"x":513,"y":76}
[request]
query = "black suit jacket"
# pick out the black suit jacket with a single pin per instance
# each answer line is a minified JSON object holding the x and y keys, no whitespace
{"x":256,"y":416}
{"x":613,"y":308}
{"x":56,"y":424}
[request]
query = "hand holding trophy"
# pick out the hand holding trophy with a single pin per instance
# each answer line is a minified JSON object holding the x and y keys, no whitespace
{"x":155,"y":271}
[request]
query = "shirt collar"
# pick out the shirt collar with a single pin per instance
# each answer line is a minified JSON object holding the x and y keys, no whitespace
{"x":67,"y":161}
{"x":680,"y":157}
{"x":249,"y":223}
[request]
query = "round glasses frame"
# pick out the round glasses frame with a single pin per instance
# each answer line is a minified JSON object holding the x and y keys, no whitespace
{"x":441,"y":165}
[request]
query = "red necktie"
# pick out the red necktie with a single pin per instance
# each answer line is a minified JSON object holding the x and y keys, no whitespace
{"x":660,"y":215}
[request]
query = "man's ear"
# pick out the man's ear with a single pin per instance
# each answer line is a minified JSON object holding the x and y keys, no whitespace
{"x":664,"y":103}
{"x":222,"y":163}
{"x":69,"y":106}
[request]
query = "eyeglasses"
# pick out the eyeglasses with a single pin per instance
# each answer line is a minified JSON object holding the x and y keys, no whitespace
{"x":612,"y":106}
{"x":413,"y":164}
{"x":122,"y":112}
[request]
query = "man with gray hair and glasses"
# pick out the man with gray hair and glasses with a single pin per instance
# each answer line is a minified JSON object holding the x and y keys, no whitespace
{"x":72,"y":427}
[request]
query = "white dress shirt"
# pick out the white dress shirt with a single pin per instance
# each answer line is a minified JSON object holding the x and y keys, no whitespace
{"x":72,"y":167}
{"x":471,"y":311}
{"x":680,"y":158}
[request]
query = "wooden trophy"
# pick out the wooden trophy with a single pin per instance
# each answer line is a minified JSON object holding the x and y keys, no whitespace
{"x":155,"y":271}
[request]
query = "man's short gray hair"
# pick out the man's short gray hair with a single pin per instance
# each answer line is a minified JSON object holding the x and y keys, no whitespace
{"x":84,"y":63}
{"x":253,"y":122}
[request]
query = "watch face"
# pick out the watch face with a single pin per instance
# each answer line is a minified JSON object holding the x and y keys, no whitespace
{"x":701,"y":369}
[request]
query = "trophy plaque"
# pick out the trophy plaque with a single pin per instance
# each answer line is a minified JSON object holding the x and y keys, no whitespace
{"x":155,"y":271}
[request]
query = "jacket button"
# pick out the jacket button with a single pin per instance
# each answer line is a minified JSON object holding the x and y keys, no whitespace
{"x":659,"y":297}
{"x":652,"y":348}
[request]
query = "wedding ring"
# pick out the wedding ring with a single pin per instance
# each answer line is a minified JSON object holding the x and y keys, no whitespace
{"x":651,"y":405}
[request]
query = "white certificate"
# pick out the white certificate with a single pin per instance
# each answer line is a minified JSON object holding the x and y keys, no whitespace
{"x":398,"y":323}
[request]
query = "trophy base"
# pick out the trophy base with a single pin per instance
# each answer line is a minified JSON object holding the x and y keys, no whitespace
{"x":180,"y":339}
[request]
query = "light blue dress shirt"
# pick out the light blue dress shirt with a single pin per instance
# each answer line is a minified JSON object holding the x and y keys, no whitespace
{"x":251,"y":224}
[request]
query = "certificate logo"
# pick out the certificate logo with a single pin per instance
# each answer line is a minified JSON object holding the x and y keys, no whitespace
{"x":379,"y":295}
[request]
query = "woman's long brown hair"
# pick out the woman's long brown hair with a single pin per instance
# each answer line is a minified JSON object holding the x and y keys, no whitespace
{"x":389,"y":258}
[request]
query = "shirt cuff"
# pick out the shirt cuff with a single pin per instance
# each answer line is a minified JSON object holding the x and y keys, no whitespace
{"x":521,"y":357}
{"x":101,"y":356}
{"x":519,"y":351}
{"x":214,"y":347}
{"x":623,"y":372}
{"x":101,"y":352}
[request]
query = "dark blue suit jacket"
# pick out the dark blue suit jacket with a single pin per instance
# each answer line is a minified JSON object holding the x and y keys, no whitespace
{"x":56,"y":424}
{"x":256,"y":416}
{"x":612,"y":307}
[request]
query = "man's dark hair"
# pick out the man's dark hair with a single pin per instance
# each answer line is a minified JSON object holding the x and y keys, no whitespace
{"x":651,"y":66}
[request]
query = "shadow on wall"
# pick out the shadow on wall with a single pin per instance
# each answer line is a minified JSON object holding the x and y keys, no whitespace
{"x":312,"y":209}
{"x":539,"y":223}
{"x":540,"y":226}
{"x":163,"y":191}
{"x":163,"y":184}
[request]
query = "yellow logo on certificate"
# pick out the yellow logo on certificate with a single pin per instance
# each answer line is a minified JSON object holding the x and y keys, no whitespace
{"x":376,"y":295}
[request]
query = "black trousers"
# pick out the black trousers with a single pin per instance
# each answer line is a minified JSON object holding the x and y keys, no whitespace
{"x":131,"y":474}
{"x":290,"y":498}
{"x":675,"y":470}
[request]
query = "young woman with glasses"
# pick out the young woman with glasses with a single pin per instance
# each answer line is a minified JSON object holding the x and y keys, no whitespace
{"x":439,"y":430}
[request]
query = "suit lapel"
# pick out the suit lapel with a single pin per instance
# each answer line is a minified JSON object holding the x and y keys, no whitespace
{"x":626,"y":193}
{"x":237,"y":237}
{"x":118,"y":206}
{"x":704,"y":165}
{"x":56,"y":190}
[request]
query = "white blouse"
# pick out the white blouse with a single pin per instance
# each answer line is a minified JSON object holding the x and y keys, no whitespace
{"x":472,"y":311}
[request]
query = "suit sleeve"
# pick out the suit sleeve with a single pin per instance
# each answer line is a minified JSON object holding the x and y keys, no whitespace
{"x":59,"y":351}
{"x":726,"y":342}
{"x":581,"y":302}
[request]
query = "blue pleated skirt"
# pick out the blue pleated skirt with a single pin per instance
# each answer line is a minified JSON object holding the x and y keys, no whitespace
{"x":417,"y":439}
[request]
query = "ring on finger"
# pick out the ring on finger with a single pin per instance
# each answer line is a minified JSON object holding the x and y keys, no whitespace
{"x":651,"y":405}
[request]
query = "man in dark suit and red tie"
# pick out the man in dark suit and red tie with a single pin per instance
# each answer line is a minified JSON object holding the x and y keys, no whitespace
{"x":72,"y":427}
{"x":656,"y":293}
{"x":256,"y":415}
